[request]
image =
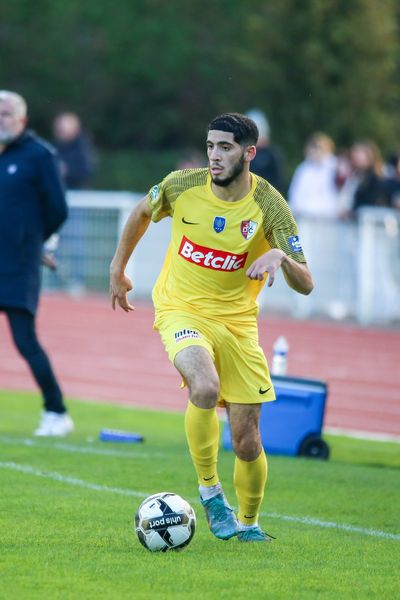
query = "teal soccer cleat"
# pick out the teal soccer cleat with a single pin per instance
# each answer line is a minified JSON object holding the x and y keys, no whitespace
{"x":221,"y":519}
{"x":255,"y":534}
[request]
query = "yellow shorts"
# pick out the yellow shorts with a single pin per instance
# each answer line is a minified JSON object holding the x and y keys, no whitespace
{"x":239,"y":360}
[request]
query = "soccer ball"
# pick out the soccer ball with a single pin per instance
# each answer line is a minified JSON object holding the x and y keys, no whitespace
{"x":165,"y":521}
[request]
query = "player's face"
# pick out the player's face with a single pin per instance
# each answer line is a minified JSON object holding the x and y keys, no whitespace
{"x":11,"y":122}
{"x":226,"y":157}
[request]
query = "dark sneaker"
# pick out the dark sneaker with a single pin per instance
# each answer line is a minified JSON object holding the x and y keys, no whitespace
{"x":220,"y":517}
{"x":255,"y":534}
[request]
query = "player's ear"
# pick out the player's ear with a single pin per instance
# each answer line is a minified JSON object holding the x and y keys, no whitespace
{"x":250,"y":153}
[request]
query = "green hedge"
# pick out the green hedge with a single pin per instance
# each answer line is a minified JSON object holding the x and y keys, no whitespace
{"x":133,"y":171}
{"x":149,"y":74}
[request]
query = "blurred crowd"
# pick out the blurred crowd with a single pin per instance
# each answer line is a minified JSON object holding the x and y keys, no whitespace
{"x":329,"y":184}
{"x":336,"y":185}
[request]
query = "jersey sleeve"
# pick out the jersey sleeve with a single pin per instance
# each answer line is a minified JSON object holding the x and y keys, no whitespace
{"x":280,"y":227}
{"x":161,"y":199}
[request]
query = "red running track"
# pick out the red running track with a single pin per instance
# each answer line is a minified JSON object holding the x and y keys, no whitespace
{"x":99,"y":354}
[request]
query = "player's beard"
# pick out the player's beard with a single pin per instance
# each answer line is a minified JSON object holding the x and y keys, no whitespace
{"x":236,"y":170}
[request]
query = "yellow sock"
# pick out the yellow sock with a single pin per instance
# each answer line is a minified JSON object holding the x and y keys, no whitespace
{"x":250,"y":479}
{"x":202,"y":433}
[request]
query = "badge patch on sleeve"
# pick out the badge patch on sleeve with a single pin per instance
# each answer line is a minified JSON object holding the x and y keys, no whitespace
{"x":295,"y":244}
{"x":154,"y":194}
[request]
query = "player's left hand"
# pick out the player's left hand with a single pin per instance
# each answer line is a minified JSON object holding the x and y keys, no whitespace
{"x":267,"y":263}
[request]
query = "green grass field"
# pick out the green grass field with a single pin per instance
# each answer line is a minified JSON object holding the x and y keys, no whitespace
{"x":67,"y":508}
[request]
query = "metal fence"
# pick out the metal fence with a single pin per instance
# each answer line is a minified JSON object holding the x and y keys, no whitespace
{"x":355,"y":266}
{"x":88,"y":241}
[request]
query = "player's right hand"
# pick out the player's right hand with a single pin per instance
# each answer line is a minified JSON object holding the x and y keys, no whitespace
{"x":119,"y":288}
{"x":49,"y":261}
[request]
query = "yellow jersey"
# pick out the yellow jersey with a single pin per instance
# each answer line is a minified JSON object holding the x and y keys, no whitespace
{"x":213,"y":243}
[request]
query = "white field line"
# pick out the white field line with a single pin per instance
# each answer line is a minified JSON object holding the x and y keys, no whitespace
{"x":333,"y":525}
{"x":137,"y":453}
{"x":370,"y":436}
{"x":28,"y":470}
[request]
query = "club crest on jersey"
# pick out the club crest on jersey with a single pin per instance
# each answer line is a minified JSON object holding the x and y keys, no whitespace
{"x":219,"y":224}
{"x":247,"y":228}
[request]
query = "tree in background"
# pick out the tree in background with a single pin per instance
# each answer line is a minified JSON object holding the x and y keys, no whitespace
{"x":334,"y":66}
{"x":145,"y":74}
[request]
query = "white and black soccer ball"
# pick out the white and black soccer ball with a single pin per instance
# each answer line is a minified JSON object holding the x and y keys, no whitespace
{"x":165,"y":521}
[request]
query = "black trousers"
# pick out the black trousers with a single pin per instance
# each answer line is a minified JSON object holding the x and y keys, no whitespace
{"x":23,"y":329}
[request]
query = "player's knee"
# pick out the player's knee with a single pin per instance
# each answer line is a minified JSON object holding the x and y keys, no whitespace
{"x":204,"y":394}
{"x":246,"y":444}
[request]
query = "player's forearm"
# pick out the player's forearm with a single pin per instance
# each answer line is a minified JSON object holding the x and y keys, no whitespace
{"x":297,"y":275}
{"x":134,"y":229}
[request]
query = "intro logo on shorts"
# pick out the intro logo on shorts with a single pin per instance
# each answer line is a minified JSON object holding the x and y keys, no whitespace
{"x":209,"y":258}
{"x":186,"y":334}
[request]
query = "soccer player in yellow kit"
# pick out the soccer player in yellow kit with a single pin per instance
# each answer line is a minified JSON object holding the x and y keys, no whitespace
{"x":231,"y":232}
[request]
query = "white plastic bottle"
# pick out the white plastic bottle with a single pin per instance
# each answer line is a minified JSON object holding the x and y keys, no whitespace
{"x":280,"y":356}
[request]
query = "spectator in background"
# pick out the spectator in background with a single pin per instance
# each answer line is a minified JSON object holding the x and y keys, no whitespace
{"x":312,"y":191}
{"x":391,"y":183}
{"x":77,"y":165}
{"x":32,"y":208}
{"x":314,"y":199}
{"x":267,"y":163}
{"x":74,"y":150}
{"x":364,"y":186}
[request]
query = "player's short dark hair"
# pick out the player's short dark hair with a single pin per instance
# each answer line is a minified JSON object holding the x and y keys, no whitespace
{"x":244,"y":130}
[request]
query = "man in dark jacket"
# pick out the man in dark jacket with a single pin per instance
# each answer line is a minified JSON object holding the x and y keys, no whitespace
{"x":268,"y":161}
{"x":74,"y":150}
{"x":32,"y":208}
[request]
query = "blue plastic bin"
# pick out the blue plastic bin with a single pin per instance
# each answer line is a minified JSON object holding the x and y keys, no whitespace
{"x":292,"y":425}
